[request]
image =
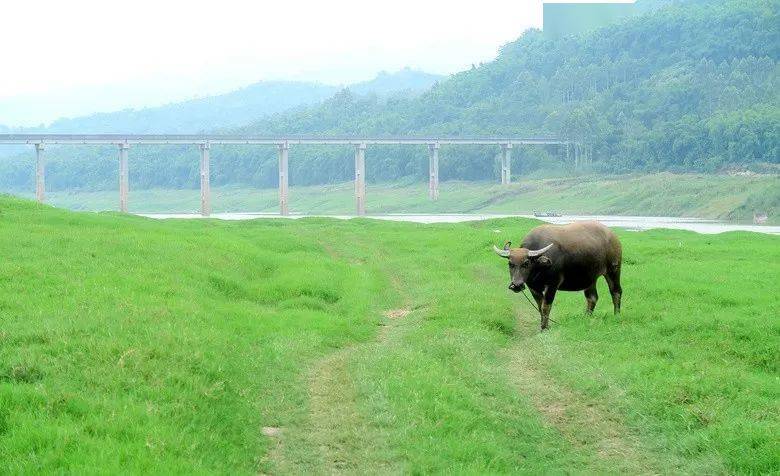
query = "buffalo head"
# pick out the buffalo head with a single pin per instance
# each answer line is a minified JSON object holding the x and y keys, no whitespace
{"x":522,"y":263}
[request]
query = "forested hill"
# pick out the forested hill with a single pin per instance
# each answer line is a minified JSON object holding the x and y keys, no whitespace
{"x":688,"y":86}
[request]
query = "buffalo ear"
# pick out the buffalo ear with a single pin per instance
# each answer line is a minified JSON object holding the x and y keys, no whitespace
{"x":507,"y":245}
{"x":543,"y":260}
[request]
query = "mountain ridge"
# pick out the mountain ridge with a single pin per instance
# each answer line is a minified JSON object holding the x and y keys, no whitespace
{"x":231,"y":109}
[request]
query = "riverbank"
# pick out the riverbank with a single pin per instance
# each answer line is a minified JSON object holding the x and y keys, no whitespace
{"x":721,"y":197}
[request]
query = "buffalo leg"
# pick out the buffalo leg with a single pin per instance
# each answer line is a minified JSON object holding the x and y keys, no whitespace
{"x":547,"y":300}
{"x":538,"y":297}
{"x":591,"y":298}
{"x":613,"y":281}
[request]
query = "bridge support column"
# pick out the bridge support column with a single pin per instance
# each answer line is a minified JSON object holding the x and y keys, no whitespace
{"x":506,"y":164}
{"x":433,"y":171}
{"x":205,"y":179}
{"x":284,"y":189}
{"x":360,"y":179}
{"x":40,"y":173}
{"x":577,"y":155}
{"x":124,"y":181}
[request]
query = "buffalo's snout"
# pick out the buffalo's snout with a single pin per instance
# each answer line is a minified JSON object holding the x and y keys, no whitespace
{"x":517,"y":287}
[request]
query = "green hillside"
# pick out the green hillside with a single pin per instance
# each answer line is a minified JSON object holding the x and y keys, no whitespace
{"x":687,"y":87}
{"x":137,"y":346}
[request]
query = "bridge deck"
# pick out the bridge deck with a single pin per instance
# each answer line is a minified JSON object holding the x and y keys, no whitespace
{"x":268,"y":140}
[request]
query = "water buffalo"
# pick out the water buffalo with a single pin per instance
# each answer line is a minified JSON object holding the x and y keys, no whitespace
{"x":567,"y":258}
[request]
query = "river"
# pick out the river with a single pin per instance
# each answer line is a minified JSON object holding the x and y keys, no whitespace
{"x":634,"y":223}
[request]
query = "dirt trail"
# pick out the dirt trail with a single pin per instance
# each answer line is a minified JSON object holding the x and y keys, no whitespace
{"x":593,"y":427}
{"x":588,"y":425}
{"x":337,"y":438}
{"x":344,"y":439}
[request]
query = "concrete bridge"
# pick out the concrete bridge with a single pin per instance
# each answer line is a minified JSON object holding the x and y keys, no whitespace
{"x":205,"y":141}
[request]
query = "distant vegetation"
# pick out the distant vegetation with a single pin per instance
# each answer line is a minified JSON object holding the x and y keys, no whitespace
{"x":691,"y":86}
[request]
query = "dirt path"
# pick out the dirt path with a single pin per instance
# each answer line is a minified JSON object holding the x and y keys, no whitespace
{"x":587,"y":425}
{"x":343,"y":440}
{"x":594,"y":427}
{"x":336,"y":437}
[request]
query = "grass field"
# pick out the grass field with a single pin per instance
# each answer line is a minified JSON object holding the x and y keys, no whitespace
{"x":702,"y":196}
{"x":130,"y":345}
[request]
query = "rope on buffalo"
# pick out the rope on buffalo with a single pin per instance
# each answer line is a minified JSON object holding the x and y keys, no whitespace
{"x":533,"y":305}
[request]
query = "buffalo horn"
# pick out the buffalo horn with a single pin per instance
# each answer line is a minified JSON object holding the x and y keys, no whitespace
{"x":500,"y":252}
{"x":533,"y":253}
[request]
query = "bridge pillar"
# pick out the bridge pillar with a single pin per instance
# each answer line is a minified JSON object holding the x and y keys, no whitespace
{"x":360,"y":179}
{"x":205,"y":179}
{"x":284,"y":189}
{"x":577,"y":155}
{"x":433,"y":171}
{"x":124,"y":181}
{"x":506,"y":164}
{"x":40,"y":173}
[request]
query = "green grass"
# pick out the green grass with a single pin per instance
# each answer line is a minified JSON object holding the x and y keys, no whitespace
{"x":703,"y":196}
{"x":141,"y":346}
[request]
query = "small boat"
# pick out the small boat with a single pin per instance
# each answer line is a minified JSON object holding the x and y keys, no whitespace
{"x":760,"y":218}
{"x":546,"y":214}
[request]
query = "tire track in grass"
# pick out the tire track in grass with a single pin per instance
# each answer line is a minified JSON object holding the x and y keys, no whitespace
{"x":343,"y":439}
{"x":346,"y":440}
{"x":590,"y":429}
{"x":590,"y":426}
{"x":332,"y":438}
{"x":336,"y":438}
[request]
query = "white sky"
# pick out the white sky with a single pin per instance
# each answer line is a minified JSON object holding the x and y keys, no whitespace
{"x":63,"y":58}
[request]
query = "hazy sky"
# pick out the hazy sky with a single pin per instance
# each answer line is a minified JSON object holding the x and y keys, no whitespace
{"x":64,"y":58}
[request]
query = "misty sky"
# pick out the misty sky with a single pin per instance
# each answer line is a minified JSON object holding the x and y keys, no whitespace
{"x":66,"y":58}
